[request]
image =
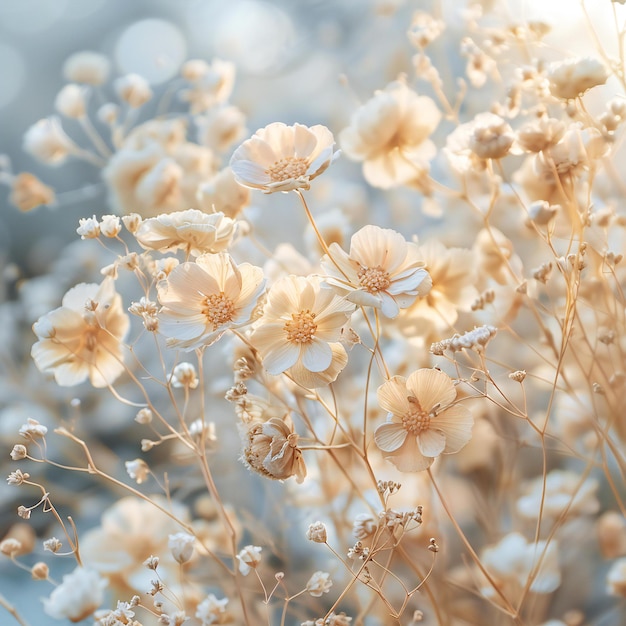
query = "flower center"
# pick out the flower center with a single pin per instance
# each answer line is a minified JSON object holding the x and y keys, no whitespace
{"x":218,"y":309}
{"x":287,"y":168}
{"x":416,"y":420}
{"x":301,"y":327}
{"x":374,"y":279}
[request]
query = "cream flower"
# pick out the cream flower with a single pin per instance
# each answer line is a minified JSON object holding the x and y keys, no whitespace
{"x":131,"y":531}
{"x":283,"y":158}
{"x":156,"y":170}
{"x":300,"y":323}
{"x":572,"y":77}
{"x":272,"y":450}
{"x":423,"y":421}
{"x":249,"y":559}
{"x":223,"y":193}
{"x":47,"y":141}
{"x":453,"y":274}
{"x":382,"y":270}
{"x":203,"y":299}
{"x":513,"y":560}
{"x":28,"y":192}
{"x":190,"y":230}
{"x":389,"y":133}
{"x":87,"y":67}
{"x":77,"y":597}
{"x":82,"y":338}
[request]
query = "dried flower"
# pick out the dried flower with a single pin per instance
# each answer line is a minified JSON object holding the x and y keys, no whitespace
{"x":47,"y":141}
{"x":382,"y":270}
{"x":249,"y":559}
{"x":110,"y":226}
{"x":19,"y":452}
{"x":88,"y":228}
{"x":423,"y":421}
{"x":572,"y":77}
{"x":71,"y":101}
{"x":185,"y":375}
{"x":181,"y":546}
{"x":301,"y":322}
{"x":144,"y":416}
{"x":40,"y":571}
{"x":77,"y":597}
{"x":317,"y":532}
{"x":192,"y":230}
{"x":390,"y":134}
{"x":10,"y":547}
{"x":18,"y":477}
{"x":86,"y":67}
{"x":319,"y":584}
{"x":212,"y":611}
{"x":52,"y":545}
{"x":283,"y":158}
{"x":202,"y":300}
{"x":271,"y":449}
{"x":33,"y":429}
{"x":133,"y":89}
{"x":28,"y":192}
{"x":82,"y":338}
{"x":138,"y":470}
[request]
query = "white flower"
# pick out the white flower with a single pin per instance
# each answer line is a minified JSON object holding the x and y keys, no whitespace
{"x":283,"y":158}
{"x":561,"y":490}
{"x":249,"y":558}
{"x":572,"y":77}
{"x":181,"y":546}
{"x":133,"y":89}
{"x":71,"y":101}
{"x":47,"y":141}
{"x":86,"y":67}
{"x":513,"y":560}
{"x":138,"y":470}
{"x":319,"y":584}
{"x":88,"y":228}
{"x":211,"y":610}
{"x":77,"y":597}
{"x":185,"y":375}
{"x":110,"y":226}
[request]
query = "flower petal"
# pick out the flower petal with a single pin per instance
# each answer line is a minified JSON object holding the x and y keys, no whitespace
{"x":390,"y":436}
{"x":431,"y":442}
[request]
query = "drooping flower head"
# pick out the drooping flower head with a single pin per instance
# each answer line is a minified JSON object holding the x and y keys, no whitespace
{"x":382,"y":270}
{"x":300,"y":325}
{"x":82,"y":338}
{"x":422,"y":422}
{"x":283,"y":158}
{"x":203,"y":299}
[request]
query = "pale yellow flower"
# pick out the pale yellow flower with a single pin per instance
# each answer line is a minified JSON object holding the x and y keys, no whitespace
{"x":300,"y":323}
{"x":82,"y":338}
{"x":283,"y":158}
{"x":271,"y":449}
{"x":423,"y":421}
{"x":191,"y":230}
{"x":203,"y":299}
{"x":390,"y":135}
{"x":382,"y":270}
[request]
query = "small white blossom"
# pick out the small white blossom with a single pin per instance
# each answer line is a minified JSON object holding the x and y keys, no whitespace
{"x":181,"y":546}
{"x":89,"y":228}
{"x":249,"y":558}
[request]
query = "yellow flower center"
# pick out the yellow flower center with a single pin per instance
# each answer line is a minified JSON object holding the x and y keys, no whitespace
{"x":287,"y":168}
{"x":416,"y":420}
{"x":218,"y":309}
{"x":301,"y":327}
{"x":374,"y":279}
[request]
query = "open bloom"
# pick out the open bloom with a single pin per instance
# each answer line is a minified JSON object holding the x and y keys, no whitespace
{"x":47,"y":141}
{"x":82,"y":338}
{"x":77,"y":597}
{"x":283,"y":158}
{"x":300,"y":324}
{"x":382,"y":270}
{"x":203,"y":299}
{"x":422,"y":422}
{"x":191,"y":230}
{"x":389,"y":133}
